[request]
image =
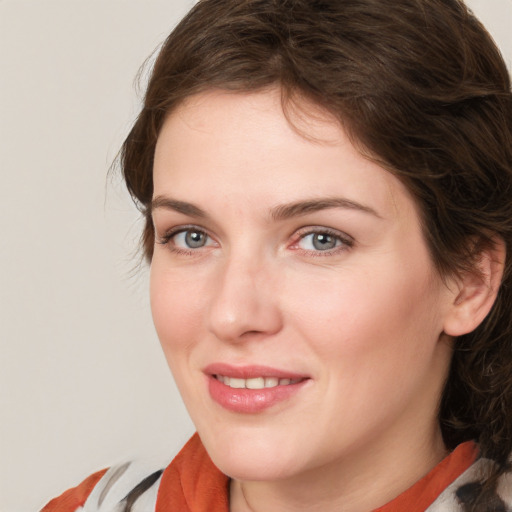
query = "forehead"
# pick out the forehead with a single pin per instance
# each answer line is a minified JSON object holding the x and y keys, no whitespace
{"x":269,"y":108}
{"x":232,"y":142}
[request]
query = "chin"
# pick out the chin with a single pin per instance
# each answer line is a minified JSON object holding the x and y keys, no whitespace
{"x":250,"y":456}
{"x":266,"y":468}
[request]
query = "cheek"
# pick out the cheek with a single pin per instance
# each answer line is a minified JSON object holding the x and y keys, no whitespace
{"x":370,"y":315}
{"x":375,"y":337}
{"x":175,"y":306}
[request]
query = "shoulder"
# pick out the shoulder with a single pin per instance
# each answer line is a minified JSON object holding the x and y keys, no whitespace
{"x":114,"y":489}
{"x":74,"y":498}
{"x":459,"y":495}
{"x":190,"y":482}
{"x":126,"y":485}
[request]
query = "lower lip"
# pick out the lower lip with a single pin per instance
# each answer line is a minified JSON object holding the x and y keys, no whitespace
{"x":250,"y":401}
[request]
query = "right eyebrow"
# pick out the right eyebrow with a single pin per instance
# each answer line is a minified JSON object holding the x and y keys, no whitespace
{"x":177,"y":206}
{"x":300,"y":208}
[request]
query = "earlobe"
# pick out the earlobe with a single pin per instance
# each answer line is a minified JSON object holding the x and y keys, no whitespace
{"x":476,"y":291}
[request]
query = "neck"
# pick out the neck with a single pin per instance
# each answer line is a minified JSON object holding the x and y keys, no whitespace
{"x":359,"y":483}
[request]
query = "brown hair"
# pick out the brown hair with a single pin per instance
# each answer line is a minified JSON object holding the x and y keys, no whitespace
{"x":422,"y":88}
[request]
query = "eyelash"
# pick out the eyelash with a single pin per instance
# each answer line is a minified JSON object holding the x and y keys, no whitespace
{"x":346,"y":242}
{"x":167,"y":237}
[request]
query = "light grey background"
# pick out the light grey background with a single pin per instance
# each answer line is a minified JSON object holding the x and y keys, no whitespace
{"x":83,"y":383}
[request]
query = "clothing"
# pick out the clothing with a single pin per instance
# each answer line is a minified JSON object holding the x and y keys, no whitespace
{"x":192,"y":483}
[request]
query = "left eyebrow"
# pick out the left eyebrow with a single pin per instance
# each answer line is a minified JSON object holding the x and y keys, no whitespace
{"x":299,"y":208}
{"x":178,"y":206}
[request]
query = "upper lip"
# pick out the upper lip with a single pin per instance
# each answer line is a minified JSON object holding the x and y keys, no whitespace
{"x":250,"y":371}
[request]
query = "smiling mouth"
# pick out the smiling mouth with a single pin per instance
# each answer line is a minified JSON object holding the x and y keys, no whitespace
{"x":256,"y":382}
{"x":251,"y":389}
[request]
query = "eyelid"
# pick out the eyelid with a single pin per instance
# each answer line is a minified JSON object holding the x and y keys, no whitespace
{"x":166,"y":237}
{"x":347,"y":241}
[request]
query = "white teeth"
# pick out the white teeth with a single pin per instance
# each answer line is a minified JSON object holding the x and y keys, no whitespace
{"x":271,"y":382}
{"x":235,"y":383}
{"x":255,"y":382}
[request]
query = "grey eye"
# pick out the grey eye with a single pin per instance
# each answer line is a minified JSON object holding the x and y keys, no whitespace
{"x":323,"y":241}
{"x":320,"y":241}
{"x":195,"y":239}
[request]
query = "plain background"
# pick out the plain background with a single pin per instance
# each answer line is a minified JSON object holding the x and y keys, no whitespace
{"x":83,"y":383}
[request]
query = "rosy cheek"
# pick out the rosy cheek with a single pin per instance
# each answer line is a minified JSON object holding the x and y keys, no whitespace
{"x":175,"y":309}
{"x":163,"y":308}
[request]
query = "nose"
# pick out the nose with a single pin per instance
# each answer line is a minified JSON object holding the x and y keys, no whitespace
{"x":244,"y":302}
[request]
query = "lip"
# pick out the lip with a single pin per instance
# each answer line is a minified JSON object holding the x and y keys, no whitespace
{"x":250,"y":401}
{"x":250,"y":371}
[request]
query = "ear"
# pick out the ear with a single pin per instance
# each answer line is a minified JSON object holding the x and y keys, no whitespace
{"x":476,"y":291}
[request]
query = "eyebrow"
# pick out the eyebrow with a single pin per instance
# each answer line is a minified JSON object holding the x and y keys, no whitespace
{"x":299,"y":208}
{"x":178,"y":206}
{"x":281,"y":212}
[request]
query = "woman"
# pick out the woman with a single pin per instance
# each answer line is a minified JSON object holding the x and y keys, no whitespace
{"x":327,"y":193}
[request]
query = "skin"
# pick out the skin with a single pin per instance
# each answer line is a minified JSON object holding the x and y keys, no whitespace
{"x":364,"y":321}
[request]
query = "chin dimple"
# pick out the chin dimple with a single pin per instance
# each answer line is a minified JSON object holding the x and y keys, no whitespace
{"x":255,"y":383}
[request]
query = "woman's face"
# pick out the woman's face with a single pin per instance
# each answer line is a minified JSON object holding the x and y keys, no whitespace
{"x":292,"y":290}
